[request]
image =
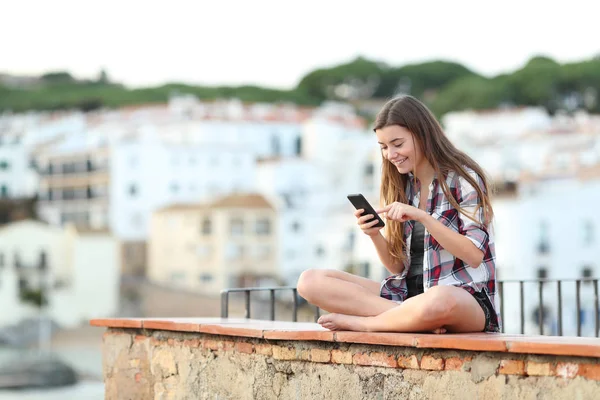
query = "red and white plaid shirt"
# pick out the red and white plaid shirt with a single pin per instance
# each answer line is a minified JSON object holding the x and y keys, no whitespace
{"x":440,"y":267}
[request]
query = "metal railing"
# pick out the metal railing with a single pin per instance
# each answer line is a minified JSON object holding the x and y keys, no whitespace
{"x":558,"y":285}
{"x":247,"y":291}
{"x":542,"y":285}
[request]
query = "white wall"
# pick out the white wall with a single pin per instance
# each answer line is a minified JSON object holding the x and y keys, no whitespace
{"x":82,"y":273}
{"x":165,"y":173}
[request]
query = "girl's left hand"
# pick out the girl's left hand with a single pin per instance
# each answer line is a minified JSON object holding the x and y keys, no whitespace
{"x":401,"y":212}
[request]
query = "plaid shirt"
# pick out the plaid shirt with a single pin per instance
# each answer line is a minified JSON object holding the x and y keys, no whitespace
{"x":440,"y":267}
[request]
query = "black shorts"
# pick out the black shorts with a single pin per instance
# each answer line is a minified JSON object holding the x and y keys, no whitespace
{"x":415,"y":287}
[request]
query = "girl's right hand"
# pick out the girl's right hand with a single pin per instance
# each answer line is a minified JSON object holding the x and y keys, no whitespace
{"x":368,"y":228}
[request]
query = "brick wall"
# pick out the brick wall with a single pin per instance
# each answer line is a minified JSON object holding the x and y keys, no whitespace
{"x":142,"y":364}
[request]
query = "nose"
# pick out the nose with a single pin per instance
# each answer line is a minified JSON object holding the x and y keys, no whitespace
{"x":391,"y":154}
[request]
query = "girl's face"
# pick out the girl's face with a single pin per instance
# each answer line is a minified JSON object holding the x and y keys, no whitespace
{"x":398,"y":146}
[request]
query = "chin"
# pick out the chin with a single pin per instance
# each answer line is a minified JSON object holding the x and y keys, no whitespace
{"x":404,"y":169}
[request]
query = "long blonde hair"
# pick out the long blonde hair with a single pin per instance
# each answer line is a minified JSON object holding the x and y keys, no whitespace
{"x":410,"y":113}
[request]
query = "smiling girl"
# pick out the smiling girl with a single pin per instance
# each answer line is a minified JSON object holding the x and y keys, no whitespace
{"x":438,"y":245}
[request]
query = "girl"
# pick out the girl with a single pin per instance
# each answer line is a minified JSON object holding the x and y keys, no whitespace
{"x":438,"y":245}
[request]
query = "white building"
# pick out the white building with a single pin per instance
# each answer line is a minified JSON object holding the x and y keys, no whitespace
{"x":150,"y":173}
{"x":548,"y":230}
{"x":491,"y":125}
{"x":19,"y":136}
{"x":316,"y":219}
{"x":80,"y":272}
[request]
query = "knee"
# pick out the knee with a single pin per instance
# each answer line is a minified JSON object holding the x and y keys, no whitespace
{"x":308,"y":283}
{"x":441,"y":304}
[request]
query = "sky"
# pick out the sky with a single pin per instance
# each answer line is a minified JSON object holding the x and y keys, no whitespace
{"x":275,"y":43}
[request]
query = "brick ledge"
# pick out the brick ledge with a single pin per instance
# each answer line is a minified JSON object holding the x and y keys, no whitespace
{"x":280,"y":330}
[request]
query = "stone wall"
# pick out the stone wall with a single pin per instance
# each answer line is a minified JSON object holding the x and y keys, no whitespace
{"x":143,"y":364}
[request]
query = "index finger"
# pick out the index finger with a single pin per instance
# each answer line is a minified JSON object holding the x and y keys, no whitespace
{"x":384,"y":209}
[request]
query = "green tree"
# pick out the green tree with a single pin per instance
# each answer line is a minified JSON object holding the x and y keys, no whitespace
{"x":358,"y":79}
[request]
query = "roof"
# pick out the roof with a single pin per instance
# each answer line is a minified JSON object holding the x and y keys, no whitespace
{"x":182,"y":207}
{"x":251,"y":200}
{"x":242,"y":201}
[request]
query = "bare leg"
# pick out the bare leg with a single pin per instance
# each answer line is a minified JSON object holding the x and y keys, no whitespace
{"x":341,"y":292}
{"x":447,"y":307}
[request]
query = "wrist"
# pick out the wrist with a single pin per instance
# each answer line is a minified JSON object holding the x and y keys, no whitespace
{"x":421,"y":216}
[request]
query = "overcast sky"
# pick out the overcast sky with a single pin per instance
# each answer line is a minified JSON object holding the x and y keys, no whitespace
{"x":274,"y":43}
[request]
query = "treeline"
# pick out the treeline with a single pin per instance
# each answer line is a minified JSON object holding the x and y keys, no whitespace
{"x":444,"y":86}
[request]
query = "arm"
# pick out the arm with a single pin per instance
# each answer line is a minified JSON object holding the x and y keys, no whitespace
{"x":383,"y":251}
{"x":381,"y":244}
{"x":470,"y":244}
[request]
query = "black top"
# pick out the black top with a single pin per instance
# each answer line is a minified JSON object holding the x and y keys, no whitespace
{"x":417,"y":247}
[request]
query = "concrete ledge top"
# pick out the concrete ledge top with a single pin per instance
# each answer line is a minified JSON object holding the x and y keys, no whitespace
{"x":303,"y":331}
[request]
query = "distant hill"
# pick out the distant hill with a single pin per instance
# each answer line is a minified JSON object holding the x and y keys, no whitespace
{"x":444,"y":86}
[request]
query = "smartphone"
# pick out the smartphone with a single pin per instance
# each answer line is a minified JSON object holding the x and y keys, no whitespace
{"x":359,"y":201}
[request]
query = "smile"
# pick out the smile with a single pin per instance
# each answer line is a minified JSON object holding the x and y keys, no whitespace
{"x":399,"y":162}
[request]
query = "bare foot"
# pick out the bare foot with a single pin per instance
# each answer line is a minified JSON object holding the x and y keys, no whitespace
{"x":342,"y":322}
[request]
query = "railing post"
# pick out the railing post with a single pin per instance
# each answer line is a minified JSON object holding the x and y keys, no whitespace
{"x":522,"y":301}
{"x":559,"y":290}
{"x":295,"y":305}
{"x":224,"y":304}
{"x":247,"y":293}
{"x":541,"y":306}
{"x":272,"y":305}
{"x":577,"y":294}
{"x":502,"y":305}
{"x":596,"y":311}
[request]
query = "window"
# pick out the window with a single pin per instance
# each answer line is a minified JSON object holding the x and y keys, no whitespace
{"x":1,"y":260}
{"x":177,"y":276}
{"x":236,"y":227}
{"x":296,"y":226}
{"x":320,"y":251}
{"x":4,"y":165}
{"x":587,"y":273}
{"x":206,"y":226}
{"x":43,"y":264}
{"x":543,"y":244}
{"x":275,"y":145}
{"x":298,"y":146}
{"x":206,"y":278}
{"x":263,"y":226}
{"x":3,"y":191}
{"x":542,"y":273}
{"x":203,"y":251}
{"x":133,"y":189}
{"x":234,"y":251}
{"x":262,"y":252}
{"x":174,"y":187}
{"x":369,"y":170}
{"x":588,"y":233}
{"x":366,"y":269}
